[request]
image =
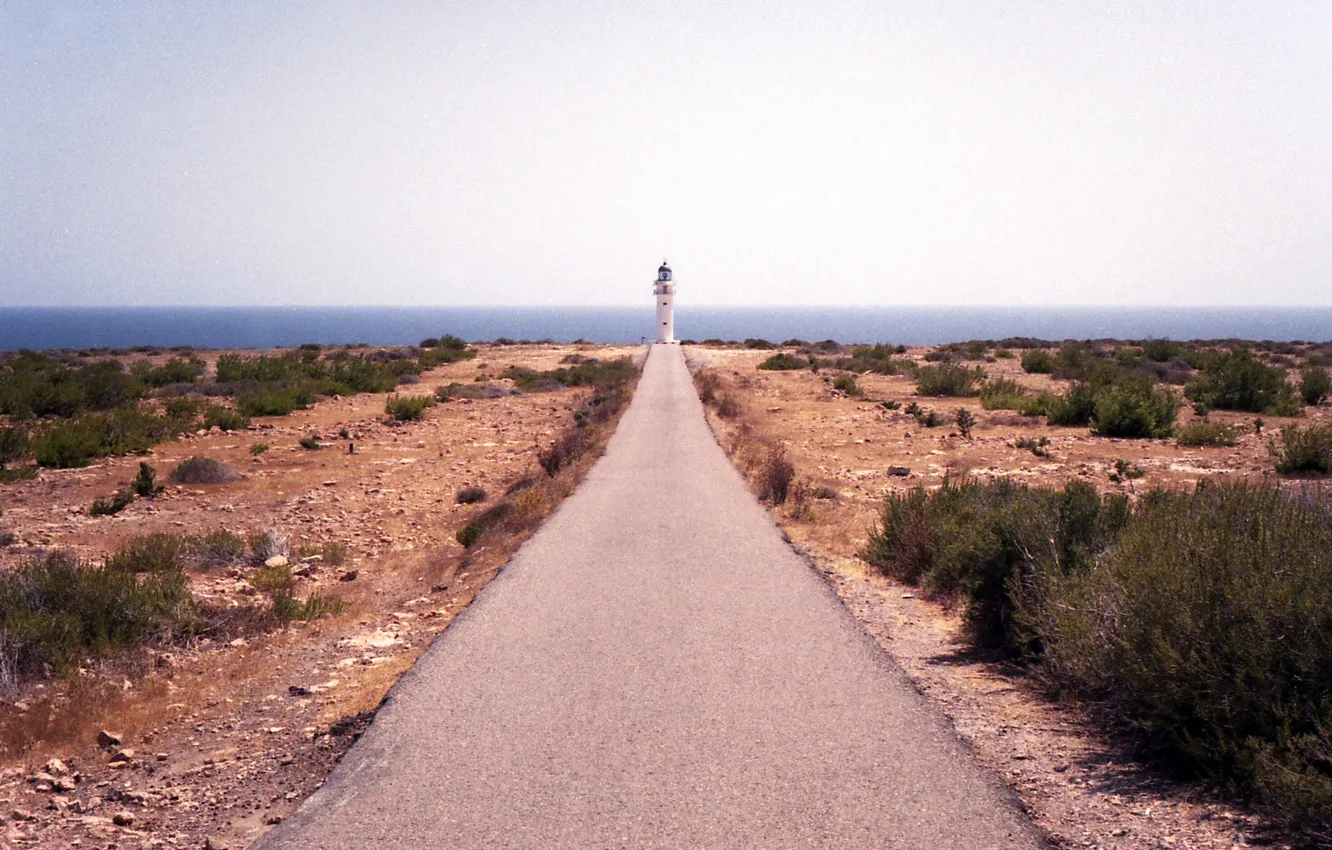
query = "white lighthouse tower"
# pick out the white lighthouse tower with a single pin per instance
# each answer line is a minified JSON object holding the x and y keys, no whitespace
{"x":664,"y":290}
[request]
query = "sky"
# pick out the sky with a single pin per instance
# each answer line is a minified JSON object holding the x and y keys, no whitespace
{"x":1023,"y":153}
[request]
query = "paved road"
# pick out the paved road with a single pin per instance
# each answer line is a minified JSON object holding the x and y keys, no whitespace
{"x":656,"y":668}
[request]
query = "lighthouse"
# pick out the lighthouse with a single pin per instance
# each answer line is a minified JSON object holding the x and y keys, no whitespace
{"x":664,"y":290}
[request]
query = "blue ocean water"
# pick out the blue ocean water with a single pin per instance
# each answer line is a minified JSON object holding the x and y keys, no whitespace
{"x":267,"y":327}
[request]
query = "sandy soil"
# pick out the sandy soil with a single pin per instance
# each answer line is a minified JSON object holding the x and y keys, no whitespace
{"x":222,"y":738}
{"x":1080,"y":783}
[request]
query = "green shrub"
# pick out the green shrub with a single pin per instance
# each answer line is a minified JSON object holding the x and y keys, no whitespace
{"x":275,"y":401}
{"x":216,"y":550}
{"x":965,"y":421}
{"x":407,"y":408}
{"x":151,"y":553}
{"x":113,"y":504}
{"x":1038,"y":362}
{"x":13,"y":445}
{"x":145,"y":483}
{"x":1076,"y":406}
{"x":1038,"y":447}
{"x":760,"y":344}
{"x":1208,"y":627}
{"x":1304,"y":449}
{"x":1003,"y":394}
{"x":1134,"y":408}
{"x":1205,"y":433}
{"x":985,"y":542}
{"x":948,"y":380}
{"x":924,"y":417}
{"x":1236,"y":380}
{"x":203,"y":470}
{"x":848,"y":385}
{"x":1161,"y":350}
{"x":177,"y":370}
{"x":468,"y":535}
{"x":783,"y":362}
{"x":67,"y":446}
{"x":225,"y":419}
{"x":278,"y":584}
{"x":58,"y":610}
{"x":257,"y":449}
{"x":310,"y":444}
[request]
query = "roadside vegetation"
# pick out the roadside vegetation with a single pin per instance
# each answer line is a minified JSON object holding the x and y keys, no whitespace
{"x":1203,"y":620}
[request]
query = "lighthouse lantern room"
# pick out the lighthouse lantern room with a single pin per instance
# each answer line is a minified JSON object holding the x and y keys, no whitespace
{"x":664,"y":290}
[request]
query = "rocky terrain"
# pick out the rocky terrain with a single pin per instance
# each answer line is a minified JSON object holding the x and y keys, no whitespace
{"x":210,"y":743}
{"x":1080,"y":782}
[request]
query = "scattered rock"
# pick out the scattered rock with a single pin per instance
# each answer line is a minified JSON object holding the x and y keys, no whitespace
{"x":298,"y":691}
{"x":22,"y":815}
{"x":124,"y":817}
{"x":899,"y":471}
{"x":350,"y":575}
{"x":108,"y":739}
{"x":56,"y":767}
{"x":276,"y":561}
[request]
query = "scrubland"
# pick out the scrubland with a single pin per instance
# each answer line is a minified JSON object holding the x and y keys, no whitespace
{"x":1109,"y":561}
{"x":215,"y":564}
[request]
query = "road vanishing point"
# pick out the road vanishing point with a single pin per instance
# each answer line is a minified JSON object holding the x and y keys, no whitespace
{"x":656,"y":667}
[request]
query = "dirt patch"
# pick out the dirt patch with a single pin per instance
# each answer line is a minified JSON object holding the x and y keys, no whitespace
{"x":1077,"y":779}
{"x":221,"y":739}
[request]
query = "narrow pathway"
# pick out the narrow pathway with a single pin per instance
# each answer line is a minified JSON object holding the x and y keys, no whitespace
{"x":656,"y":668}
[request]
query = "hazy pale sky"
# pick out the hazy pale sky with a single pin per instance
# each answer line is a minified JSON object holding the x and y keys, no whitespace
{"x":932,"y":152}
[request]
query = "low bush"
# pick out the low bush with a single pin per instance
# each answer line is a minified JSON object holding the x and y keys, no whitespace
{"x":476,"y":390}
{"x":1304,"y":449}
{"x":1076,"y":406}
{"x":1205,"y":433}
{"x":225,"y":419}
{"x":1206,"y":625}
{"x":274,"y":401}
{"x":760,"y":344}
{"x":145,"y":484}
{"x":257,"y":449}
{"x":470,"y":495}
{"x":925,"y":418}
{"x":113,"y":504}
{"x":1038,"y":362}
{"x":775,"y":475}
{"x":57,"y":610}
{"x":279,"y":585}
{"x":203,"y":470}
{"x":1236,"y":380}
{"x":1003,"y":394}
{"x":1136,"y":409}
{"x":151,"y":553}
{"x":268,"y":544}
{"x":216,"y":550}
{"x":13,"y":445}
{"x":1202,"y":619}
{"x":707,"y":382}
{"x":783,"y":362}
{"x":310,"y":444}
{"x":848,"y":385}
{"x":965,"y":421}
{"x":949,"y":380}
{"x":1038,"y":447}
{"x":1315,"y":385}
{"x":78,"y":442}
{"x":407,"y":408}
{"x":468,"y":535}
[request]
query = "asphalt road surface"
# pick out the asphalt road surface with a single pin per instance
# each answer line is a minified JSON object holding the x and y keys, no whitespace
{"x":657,"y":668}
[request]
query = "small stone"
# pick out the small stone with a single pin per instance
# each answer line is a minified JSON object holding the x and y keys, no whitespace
{"x":211,"y":843}
{"x":350,"y":575}
{"x":276,"y":561}
{"x":56,"y":767}
{"x":124,"y":817}
{"x":899,"y":471}
{"x":108,"y":739}
{"x":63,"y":785}
{"x":22,"y":815}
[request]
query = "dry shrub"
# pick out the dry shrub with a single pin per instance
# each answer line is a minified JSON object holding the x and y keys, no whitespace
{"x":729,"y":408}
{"x":707,"y":382}
{"x":203,"y":470}
{"x":776,"y":475}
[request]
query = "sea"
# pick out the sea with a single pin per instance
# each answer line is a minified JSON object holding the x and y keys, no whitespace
{"x":268,"y":327}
